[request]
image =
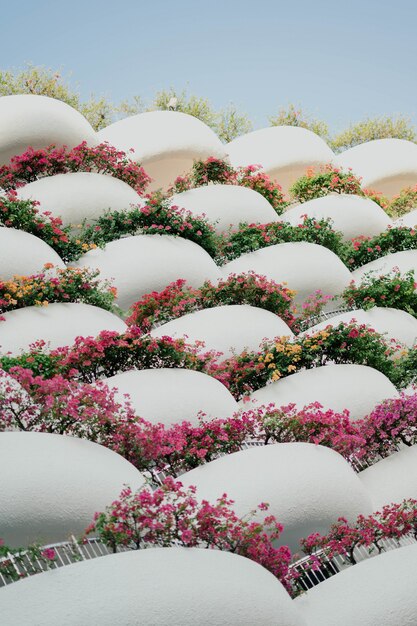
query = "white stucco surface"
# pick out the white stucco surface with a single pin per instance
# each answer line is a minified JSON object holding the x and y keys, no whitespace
{"x":387,"y":165}
{"x":227,"y":329}
{"x":146,"y":263}
{"x":285,"y":152}
{"x":57,"y":324}
{"x":80,"y":195}
{"x":350,"y":214}
{"x":24,"y":254}
{"x":409,"y":219}
{"x":380,"y":591}
{"x":306,"y":267}
{"x":357,"y":388}
{"x":307,"y":486}
{"x":393,"y":323}
{"x":52,"y":485}
{"x":392,"y":479}
{"x":38,"y":121}
{"x":405,"y":261}
{"x":171,"y":395}
{"x":227,"y":205}
{"x":155,"y":587}
{"x":166,"y":143}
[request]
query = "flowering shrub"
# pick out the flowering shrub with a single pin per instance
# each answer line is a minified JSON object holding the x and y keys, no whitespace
{"x":103,"y":159}
{"x":379,"y":198}
{"x":108,"y":354}
{"x":172,"y":516}
{"x":393,"y":522}
{"x":366,"y":249}
{"x":252,"y":237}
{"x":345,"y":343}
{"x":394,"y":290}
{"x":178,"y":299}
{"x":155,"y":217}
{"x":214,"y":170}
{"x":24,"y":215}
{"x":17,"y":563}
{"x":405,"y":202}
{"x":56,"y":285}
{"x":328,"y":179}
{"x":391,"y":425}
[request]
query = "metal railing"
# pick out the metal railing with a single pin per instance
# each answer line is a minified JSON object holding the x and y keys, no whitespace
{"x":65,"y":553}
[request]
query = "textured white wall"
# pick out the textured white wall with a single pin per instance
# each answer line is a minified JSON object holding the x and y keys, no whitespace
{"x":80,"y":195}
{"x":57,"y":324}
{"x":332,"y":386}
{"x":171,"y":395}
{"x":52,"y":485}
{"x":227,"y":328}
{"x":306,"y":267}
{"x":24,"y":254}
{"x":387,"y":165}
{"x":285,"y":152}
{"x":166,"y":143}
{"x":404,"y":261}
{"x":392,"y":479}
{"x":155,"y":587}
{"x":380,"y":591}
{"x":227,"y":205}
{"x":146,"y":263}
{"x":38,"y":121}
{"x":350,"y":214}
{"x":393,"y":323}
{"x":307,"y":486}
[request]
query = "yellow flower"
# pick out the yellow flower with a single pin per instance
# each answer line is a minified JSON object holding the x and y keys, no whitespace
{"x":276,"y":375}
{"x":291,"y":368}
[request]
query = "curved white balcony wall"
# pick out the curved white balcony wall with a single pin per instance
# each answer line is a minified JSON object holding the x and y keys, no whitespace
{"x":381,"y":591}
{"x":306,"y":267}
{"x":393,"y":479}
{"x":38,"y":121}
{"x":58,"y":324}
{"x":226,"y":205}
{"x":146,"y":263}
{"x":52,"y":485}
{"x":404,"y":261}
{"x":357,"y":388}
{"x":166,"y":143}
{"x":351,"y":215}
{"x":171,"y":395}
{"x":393,"y":323}
{"x":386,"y":165}
{"x":226,"y":329}
{"x":24,"y":254}
{"x":409,"y":219}
{"x":77,"y":196}
{"x":307,"y":486}
{"x":204,"y":587}
{"x":285,"y":152}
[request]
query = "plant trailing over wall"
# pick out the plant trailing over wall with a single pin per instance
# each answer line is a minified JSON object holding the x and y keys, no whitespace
{"x":214,"y":170}
{"x":393,"y":290}
{"x":328,"y":179}
{"x":363,"y":250}
{"x":103,"y":159}
{"x":56,"y":285}
{"x":178,"y":298}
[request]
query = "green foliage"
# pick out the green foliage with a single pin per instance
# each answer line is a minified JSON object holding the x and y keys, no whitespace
{"x":378,"y":128}
{"x":405,"y":202}
{"x":252,"y":237}
{"x":393,"y":290}
{"x":328,"y":179}
{"x":226,"y":123}
{"x":291,"y":116}
{"x":45,"y":82}
{"x":362,"y":250}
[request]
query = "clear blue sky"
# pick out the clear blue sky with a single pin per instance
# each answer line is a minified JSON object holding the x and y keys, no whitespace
{"x":340,"y":61}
